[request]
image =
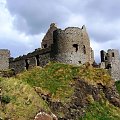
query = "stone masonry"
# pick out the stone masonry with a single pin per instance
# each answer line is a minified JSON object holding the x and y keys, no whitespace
{"x":71,"y":46}
{"x":111,"y":61}
{"x":4,"y":59}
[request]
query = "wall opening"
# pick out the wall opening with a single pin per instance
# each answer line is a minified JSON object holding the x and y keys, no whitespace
{"x":108,"y":66}
{"x":26,"y":64}
{"x":76,"y":47}
{"x":113,"y":55}
{"x":45,"y":46}
{"x":37,"y":60}
{"x":84,"y":49}
{"x":106,"y":58}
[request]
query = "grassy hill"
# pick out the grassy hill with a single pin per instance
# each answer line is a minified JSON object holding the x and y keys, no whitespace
{"x":56,"y":88}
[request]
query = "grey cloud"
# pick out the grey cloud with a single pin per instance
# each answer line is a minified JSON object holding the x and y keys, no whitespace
{"x":108,"y":9}
{"x":34,"y":16}
{"x":103,"y":33}
{"x":97,"y":9}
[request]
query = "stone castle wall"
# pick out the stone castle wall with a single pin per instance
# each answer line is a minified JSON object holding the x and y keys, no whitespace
{"x":111,"y":61}
{"x":4,"y":59}
{"x":72,"y":46}
{"x":39,"y":57}
{"x":48,"y":38}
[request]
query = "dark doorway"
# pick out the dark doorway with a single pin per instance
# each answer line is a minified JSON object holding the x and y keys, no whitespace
{"x":27,"y":64}
{"x":113,"y":55}
{"x":106,"y":58}
{"x":37,"y":60}
{"x":45,"y":45}
{"x":76,"y":47}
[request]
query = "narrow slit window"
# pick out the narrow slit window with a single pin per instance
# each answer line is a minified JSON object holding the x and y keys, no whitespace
{"x":113,"y":55}
{"x":76,"y":47}
{"x":27,"y":64}
{"x":84,"y":49}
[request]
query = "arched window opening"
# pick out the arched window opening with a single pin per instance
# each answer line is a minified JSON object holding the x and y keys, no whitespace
{"x":76,"y":47}
{"x":84,"y":49}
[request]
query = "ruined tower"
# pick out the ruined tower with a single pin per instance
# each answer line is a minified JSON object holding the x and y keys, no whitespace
{"x":48,"y":38}
{"x":72,"y":46}
{"x":4,"y":59}
{"x":111,"y":61}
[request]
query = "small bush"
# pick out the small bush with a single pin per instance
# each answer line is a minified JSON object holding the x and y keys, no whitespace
{"x":5,"y":99}
{"x":117,"y":83}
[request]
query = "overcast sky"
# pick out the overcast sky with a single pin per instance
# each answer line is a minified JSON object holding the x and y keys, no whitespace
{"x":23,"y":23}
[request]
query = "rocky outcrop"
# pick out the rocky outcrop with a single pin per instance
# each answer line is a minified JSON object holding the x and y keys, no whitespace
{"x":84,"y":94}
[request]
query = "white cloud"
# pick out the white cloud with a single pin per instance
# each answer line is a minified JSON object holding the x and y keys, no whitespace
{"x":17,"y":42}
{"x":24,"y":21}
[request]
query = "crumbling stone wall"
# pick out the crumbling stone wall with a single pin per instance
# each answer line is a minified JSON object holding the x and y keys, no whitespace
{"x":48,"y":38}
{"x":111,"y":61}
{"x":72,"y":46}
{"x":4,"y":59}
{"x":39,"y":57}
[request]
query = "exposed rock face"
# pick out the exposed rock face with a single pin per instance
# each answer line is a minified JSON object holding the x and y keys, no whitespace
{"x":112,"y":95}
{"x":84,"y":94}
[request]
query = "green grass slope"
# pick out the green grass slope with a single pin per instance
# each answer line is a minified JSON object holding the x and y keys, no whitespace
{"x":118,"y":85}
{"x":20,"y":101}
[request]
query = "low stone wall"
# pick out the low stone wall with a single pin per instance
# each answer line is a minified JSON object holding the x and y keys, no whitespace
{"x":39,"y":57}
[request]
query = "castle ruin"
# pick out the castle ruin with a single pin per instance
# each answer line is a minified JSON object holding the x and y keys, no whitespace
{"x":71,"y":46}
{"x":110,"y":60}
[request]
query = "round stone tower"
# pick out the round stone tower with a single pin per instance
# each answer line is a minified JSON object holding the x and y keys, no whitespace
{"x":72,"y":46}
